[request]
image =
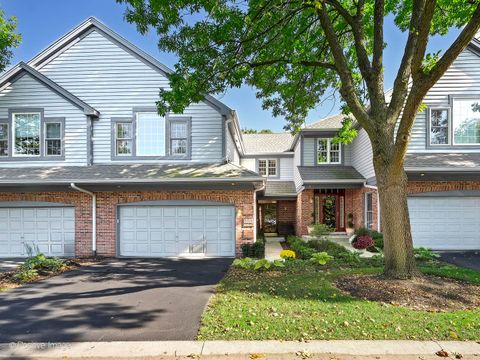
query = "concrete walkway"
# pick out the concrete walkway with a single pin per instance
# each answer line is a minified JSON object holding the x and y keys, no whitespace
{"x":10,"y":264}
{"x":273,"y":248}
{"x":138,"y":349}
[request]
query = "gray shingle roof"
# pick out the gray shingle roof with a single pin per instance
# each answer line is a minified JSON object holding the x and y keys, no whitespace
{"x":332,"y":122}
{"x":267,"y":143}
{"x":280,"y":188}
{"x":447,"y":161}
{"x":330,"y":173}
{"x":127,"y":173}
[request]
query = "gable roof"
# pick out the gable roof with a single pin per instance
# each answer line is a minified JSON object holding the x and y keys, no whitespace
{"x":329,"y":123}
{"x":267,"y":143}
{"x":92,"y":24}
{"x":19,"y":70}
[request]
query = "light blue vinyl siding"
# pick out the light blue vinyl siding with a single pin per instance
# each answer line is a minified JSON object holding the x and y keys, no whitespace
{"x":27,"y":92}
{"x":114,"y":81}
{"x":361,"y":155}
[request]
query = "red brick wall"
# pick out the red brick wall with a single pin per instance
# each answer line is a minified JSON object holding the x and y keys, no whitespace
{"x":107,"y":206}
{"x":83,"y":213}
{"x":287,"y":213}
{"x":430,"y":186}
{"x":355,"y":204}
{"x":304,"y":217}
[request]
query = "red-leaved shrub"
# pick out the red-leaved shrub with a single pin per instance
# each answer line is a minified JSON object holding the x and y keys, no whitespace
{"x":362,"y":242}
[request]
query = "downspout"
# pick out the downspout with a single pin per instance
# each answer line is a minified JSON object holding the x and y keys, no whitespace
{"x":378,"y":205}
{"x":94,"y":216}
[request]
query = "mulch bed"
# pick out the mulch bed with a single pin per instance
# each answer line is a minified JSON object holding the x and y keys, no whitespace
{"x":430,"y":293}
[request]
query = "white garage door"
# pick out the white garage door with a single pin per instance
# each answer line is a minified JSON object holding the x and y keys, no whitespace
{"x":50,"y":230}
{"x":156,"y":231}
{"x":445,"y":223}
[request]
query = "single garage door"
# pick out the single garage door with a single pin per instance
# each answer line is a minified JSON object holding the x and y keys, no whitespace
{"x":50,"y":230}
{"x":445,"y":223}
{"x":162,"y":231}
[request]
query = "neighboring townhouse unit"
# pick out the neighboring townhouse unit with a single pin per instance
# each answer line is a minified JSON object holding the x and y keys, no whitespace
{"x":88,"y":166}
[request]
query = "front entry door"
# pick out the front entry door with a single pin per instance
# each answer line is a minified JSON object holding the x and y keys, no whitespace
{"x":269,"y":214}
{"x":330,"y":210}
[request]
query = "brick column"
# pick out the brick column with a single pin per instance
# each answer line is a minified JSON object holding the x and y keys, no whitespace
{"x":305,"y":210}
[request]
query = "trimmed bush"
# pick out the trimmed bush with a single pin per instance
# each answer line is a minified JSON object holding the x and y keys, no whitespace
{"x":362,"y":242}
{"x":301,"y":248}
{"x":254,"y":250}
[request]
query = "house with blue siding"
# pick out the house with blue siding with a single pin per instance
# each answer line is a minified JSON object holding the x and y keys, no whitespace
{"x":87,"y":166}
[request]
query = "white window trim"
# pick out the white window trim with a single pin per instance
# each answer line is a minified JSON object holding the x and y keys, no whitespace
{"x":137,"y":138}
{"x":46,"y":138}
{"x":267,"y":167}
{"x":365,"y":210}
{"x":329,"y":144}
{"x":40,"y":139}
{"x":449,"y":122}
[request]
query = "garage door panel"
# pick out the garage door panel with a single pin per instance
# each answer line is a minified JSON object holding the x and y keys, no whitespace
{"x":183,"y":230}
{"x":445,"y":223}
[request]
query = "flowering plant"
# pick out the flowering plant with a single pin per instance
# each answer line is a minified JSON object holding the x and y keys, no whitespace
{"x":287,"y":254}
{"x":362,"y":242}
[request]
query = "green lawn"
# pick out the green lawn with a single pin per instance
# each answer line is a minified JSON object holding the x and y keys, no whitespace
{"x":303,"y":304}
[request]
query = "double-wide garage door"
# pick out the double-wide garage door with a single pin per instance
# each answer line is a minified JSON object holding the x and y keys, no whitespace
{"x":445,"y":223}
{"x":50,"y":230}
{"x":157,"y":231}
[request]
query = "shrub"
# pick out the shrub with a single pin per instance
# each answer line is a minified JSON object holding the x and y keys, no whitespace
{"x":40,"y":262}
{"x":287,"y":254}
{"x":27,"y":275}
{"x":375,"y":235}
{"x":321,"y":258}
{"x":328,"y":246}
{"x":320,"y":230}
{"x":254,"y":250}
{"x":362,"y":231}
{"x":424,"y":254}
{"x":362,"y":242}
{"x":250,"y":264}
{"x":301,"y":248}
{"x":348,"y":257}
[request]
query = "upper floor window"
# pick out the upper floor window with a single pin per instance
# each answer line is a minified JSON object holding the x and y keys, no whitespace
{"x":3,"y":139}
{"x":26,"y":134}
{"x":328,"y":152}
{"x":267,"y":167}
{"x":53,"y":138}
{"x":439,"y":127}
{"x":124,"y":138}
{"x":150,"y":139}
{"x":178,"y":137}
{"x":149,"y":135}
{"x":466,"y":121}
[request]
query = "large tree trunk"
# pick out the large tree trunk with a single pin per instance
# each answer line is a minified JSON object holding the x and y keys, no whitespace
{"x":392,"y":185}
{"x":398,"y":245}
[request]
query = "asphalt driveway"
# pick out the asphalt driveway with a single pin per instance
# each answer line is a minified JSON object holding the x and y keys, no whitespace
{"x":466,"y":259}
{"x":116,"y":300}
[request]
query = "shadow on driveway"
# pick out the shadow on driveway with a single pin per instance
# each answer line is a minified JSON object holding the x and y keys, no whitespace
{"x":116,"y":300}
{"x":466,"y":259}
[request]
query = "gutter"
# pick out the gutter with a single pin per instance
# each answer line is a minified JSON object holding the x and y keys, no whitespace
{"x":94,"y":216}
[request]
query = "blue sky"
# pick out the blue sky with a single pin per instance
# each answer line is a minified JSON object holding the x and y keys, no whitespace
{"x":43,"y":21}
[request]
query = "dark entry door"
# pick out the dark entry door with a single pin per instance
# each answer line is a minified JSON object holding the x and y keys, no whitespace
{"x":330,"y":210}
{"x":269,"y":213}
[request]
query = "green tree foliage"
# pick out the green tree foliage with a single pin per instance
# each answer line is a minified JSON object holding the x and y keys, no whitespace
{"x":255,"y":131}
{"x":9,"y":39}
{"x":294,"y":51}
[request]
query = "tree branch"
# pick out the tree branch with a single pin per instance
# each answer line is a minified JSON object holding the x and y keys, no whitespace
{"x":313,"y":63}
{"x":347,"y":88}
{"x":422,"y":84}
{"x":377,"y":61}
